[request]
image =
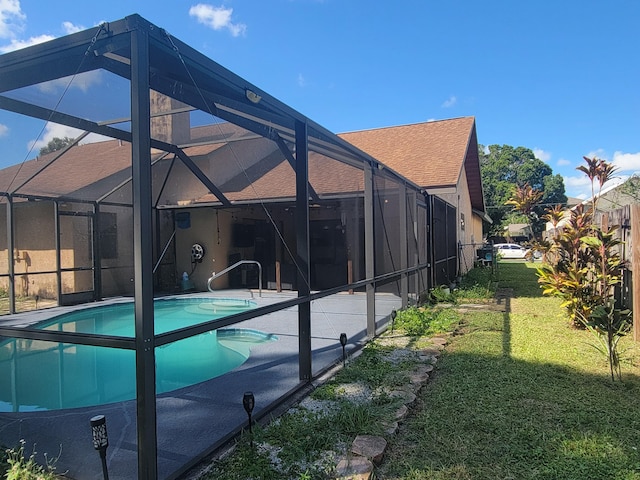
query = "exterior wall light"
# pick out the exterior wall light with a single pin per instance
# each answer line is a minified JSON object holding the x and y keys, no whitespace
{"x":252,"y":96}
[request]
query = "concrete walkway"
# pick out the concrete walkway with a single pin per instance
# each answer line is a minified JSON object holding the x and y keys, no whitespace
{"x":192,"y":419}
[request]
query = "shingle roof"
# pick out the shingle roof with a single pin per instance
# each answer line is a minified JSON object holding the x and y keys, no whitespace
{"x":430,"y":154}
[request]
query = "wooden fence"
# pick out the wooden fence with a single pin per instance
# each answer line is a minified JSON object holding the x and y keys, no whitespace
{"x":627,"y":219}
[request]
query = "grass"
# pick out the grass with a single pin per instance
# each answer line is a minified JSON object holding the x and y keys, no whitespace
{"x":306,"y":442}
{"x":517,"y":394}
{"x":521,"y":395}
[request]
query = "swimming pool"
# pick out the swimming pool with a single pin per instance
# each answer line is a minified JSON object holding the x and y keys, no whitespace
{"x":36,"y":375}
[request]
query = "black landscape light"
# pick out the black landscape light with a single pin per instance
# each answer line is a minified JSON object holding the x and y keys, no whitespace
{"x":343,"y":342}
{"x":248,"y":402}
{"x":394,"y":314}
{"x":100,"y":440}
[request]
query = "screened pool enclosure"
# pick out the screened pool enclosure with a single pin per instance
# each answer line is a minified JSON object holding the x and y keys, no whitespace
{"x":180,"y":169}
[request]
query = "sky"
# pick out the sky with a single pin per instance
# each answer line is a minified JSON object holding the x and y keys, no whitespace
{"x":559,"y":77}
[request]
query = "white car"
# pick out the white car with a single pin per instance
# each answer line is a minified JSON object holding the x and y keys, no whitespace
{"x":510,"y":250}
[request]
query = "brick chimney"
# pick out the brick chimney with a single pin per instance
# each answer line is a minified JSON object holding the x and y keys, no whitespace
{"x":172,"y":128}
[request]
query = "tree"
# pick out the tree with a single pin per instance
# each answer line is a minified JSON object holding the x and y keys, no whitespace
{"x":631,"y":187}
{"x":56,"y":144}
{"x":505,"y":168}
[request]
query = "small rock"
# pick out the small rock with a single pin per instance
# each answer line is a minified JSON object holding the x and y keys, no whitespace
{"x":369,"y":446}
{"x":354,"y":468}
{"x":401,"y":412}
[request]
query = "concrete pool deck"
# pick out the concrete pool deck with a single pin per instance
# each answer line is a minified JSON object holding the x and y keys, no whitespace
{"x":192,"y":419}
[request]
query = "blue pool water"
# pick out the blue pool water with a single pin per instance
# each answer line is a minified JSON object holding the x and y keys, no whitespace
{"x":36,"y":375}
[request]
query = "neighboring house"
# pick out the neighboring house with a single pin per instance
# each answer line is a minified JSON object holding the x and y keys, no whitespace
{"x":518,"y":232}
{"x":442,"y":157}
{"x":609,"y":199}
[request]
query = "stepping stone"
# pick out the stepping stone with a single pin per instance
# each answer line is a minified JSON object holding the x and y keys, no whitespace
{"x":418,"y":379}
{"x":407,"y":397}
{"x":369,"y":446}
{"x":430,"y":352}
{"x":354,"y":468}
{"x":390,"y":428}
{"x":422,"y":369}
{"x":401,"y":412}
{"x":428,"y":359}
{"x":439,"y":341}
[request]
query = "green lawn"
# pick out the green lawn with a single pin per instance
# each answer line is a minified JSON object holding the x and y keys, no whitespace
{"x":521,"y":395}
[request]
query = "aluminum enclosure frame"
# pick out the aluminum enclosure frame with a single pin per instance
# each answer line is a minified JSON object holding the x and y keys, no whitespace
{"x":150,"y":58}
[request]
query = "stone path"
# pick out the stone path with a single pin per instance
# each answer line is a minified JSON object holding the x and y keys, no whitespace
{"x":368,"y":451}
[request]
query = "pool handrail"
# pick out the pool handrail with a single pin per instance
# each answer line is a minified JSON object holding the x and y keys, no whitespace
{"x":215,"y":275}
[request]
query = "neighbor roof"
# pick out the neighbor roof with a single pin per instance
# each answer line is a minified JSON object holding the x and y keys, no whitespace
{"x":430,"y":154}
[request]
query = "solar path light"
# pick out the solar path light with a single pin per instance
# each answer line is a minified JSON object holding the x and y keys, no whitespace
{"x":343,"y":342}
{"x":248,"y":402}
{"x":100,"y":440}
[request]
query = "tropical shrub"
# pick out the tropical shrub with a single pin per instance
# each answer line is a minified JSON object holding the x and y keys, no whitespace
{"x":584,"y":267}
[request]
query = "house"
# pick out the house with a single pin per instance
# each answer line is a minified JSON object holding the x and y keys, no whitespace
{"x":441,"y":157}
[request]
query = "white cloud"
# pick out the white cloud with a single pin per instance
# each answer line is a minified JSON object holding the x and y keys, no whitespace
{"x":18,"y":44}
{"x":217,"y":18}
{"x":3,"y":130}
{"x":70,"y":28}
{"x":577,"y":182}
{"x":55,"y":130}
{"x":599,"y":153}
{"x":563,"y":162}
{"x":11,"y":18}
{"x":580,"y":186}
{"x":83,"y":81}
{"x":51,"y":131}
{"x":541,"y":154}
{"x":450,"y":102}
{"x":302,"y":82}
{"x":626,"y":162}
